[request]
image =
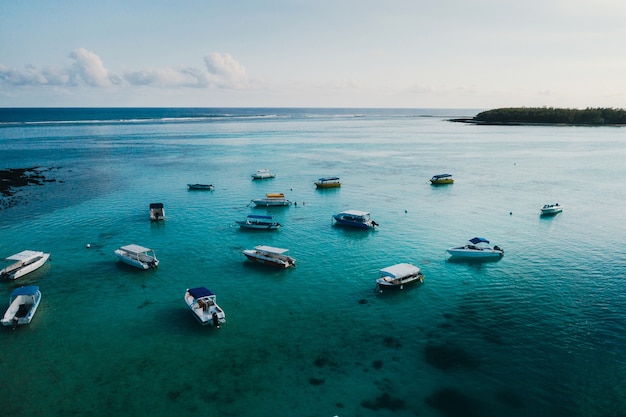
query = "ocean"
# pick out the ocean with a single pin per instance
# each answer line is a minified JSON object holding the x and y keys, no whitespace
{"x":539,"y":332}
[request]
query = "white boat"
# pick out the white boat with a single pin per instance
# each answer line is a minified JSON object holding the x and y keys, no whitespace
{"x":328,"y":182}
{"x":551,"y":209}
{"x":477,"y":247}
{"x":137,"y":256}
{"x":261,"y":174}
{"x":399,"y":275}
{"x":157,"y":211}
{"x":272,"y":199}
{"x":22,"y":263}
{"x":201,"y":302}
{"x":270,"y":255}
{"x":23,"y":304}
{"x":255,"y":221}
{"x":201,"y":187}
{"x":355,"y":218}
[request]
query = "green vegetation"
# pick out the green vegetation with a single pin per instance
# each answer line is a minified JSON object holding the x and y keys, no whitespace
{"x":551,"y":115}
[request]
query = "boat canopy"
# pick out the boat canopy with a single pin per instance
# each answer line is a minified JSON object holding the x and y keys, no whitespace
{"x":156,"y":205}
{"x":323,"y":179}
{"x":271,"y":249}
{"x":135,"y":248}
{"x":275,"y":195}
{"x":477,"y":240}
{"x":439,"y":176}
{"x":400,"y":270}
{"x":260,"y":216}
{"x":27,"y":290}
{"x":356,"y":213}
{"x":200,"y":292}
{"x":24,"y":255}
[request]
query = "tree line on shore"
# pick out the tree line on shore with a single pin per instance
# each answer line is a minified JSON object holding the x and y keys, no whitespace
{"x":551,"y":115}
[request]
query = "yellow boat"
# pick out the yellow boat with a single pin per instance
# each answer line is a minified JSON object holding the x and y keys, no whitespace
{"x":441,"y":179}
{"x":328,"y":182}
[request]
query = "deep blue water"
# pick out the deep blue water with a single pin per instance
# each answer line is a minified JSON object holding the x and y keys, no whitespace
{"x":539,"y":332}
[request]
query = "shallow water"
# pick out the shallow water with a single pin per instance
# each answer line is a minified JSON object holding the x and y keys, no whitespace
{"x":539,"y":332}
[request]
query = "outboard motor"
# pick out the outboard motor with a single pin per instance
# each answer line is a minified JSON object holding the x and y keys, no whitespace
{"x":216,"y":320}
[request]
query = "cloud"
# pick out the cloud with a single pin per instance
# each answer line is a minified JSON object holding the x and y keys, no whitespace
{"x":87,"y":69}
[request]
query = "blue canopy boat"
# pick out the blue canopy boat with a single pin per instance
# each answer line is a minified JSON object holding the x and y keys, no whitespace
{"x":23,"y":304}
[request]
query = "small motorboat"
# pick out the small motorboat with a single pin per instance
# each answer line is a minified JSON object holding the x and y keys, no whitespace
{"x":270,"y":255}
{"x":328,"y":182}
{"x":441,"y":179}
{"x":260,"y":222}
{"x":201,"y":302}
{"x":157,"y":211}
{"x":23,"y":304}
{"x":399,"y":275}
{"x":355,"y":218}
{"x":23,"y":263}
{"x":200,"y":187}
{"x":262,"y":174}
{"x":271,"y":200}
{"x":477,"y":248}
{"x":551,"y":209}
{"x":137,"y":256}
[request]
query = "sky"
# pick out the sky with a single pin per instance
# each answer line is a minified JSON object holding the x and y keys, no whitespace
{"x":471,"y":54}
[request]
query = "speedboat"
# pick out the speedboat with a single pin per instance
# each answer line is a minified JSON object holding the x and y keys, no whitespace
{"x":270,"y":255}
{"x":551,"y":209}
{"x":355,"y":218}
{"x":328,"y":182}
{"x":478,"y":247}
{"x":272,"y":199}
{"x":137,"y":256}
{"x":399,"y":275}
{"x":254,"y":221}
{"x":23,"y":304}
{"x":201,"y":187}
{"x":262,"y":174}
{"x":22,"y":263}
{"x":441,"y":179}
{"x":157,"y":211}
{"x":201,"y":302}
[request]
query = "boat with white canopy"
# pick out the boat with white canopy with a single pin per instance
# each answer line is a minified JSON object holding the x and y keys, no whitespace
{"x":398,"y":276}
{"x":23,"y":263}
{"x":137,"y":256}
{"x":262,"y":174}
{"x":270,"y":255}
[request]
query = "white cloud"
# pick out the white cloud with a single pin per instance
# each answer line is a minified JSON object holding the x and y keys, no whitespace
{"x":87,"y":69}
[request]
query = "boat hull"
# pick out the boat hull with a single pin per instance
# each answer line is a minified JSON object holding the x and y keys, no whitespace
{"x":270,"y":202}
{"x":327,"y":184}
{"x":200,"y":187}
{"x":352,"y":223}
{"x":147,"y":263}
{"x":442,"y":181}
{"x":281,"y":262}
{"x":475,"y":253}
{"x":551,"y":211}
{"x":258,"y":226}
{"x":26,"y":269}
{"x":384,"y":283}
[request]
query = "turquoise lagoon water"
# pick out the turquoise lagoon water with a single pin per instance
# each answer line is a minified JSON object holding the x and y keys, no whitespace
{"x":539,"y":332}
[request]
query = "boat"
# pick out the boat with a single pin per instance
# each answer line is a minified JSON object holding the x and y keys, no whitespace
{"x":270,"y":255}
{"x":23,"y":304}
{"x":23,"y":263}
{"x":399,"y":275}
{"x":201,"y":187}
{"x":328,"y":182}
{"x":137,"y":256}
{"x":478,"y":247}
{"x":157,"y":211}
{"x":262,"y":174}
{"x":551,"y":209}
{"x":272,"y":199}
{"x":355,"y":218}
{"x":254,"y":221}
{"x":201,"y":302}
{"x":441,"y":179}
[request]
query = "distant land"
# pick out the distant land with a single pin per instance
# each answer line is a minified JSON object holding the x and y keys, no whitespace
{"x":549,"y":116}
